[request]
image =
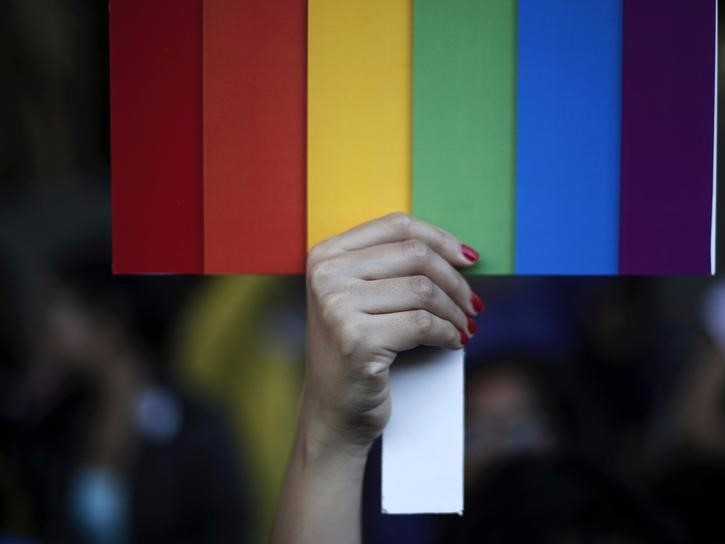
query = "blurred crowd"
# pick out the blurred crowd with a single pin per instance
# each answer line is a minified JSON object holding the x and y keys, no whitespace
{"x":162,"y":409}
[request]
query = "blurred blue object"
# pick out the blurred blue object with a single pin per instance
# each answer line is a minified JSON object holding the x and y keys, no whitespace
{"x":532,"y":316}
{"x":158,"y":415}
{"x":99,"y":505}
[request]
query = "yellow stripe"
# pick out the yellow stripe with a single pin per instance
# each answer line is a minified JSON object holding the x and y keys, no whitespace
{"x":359,"y":107}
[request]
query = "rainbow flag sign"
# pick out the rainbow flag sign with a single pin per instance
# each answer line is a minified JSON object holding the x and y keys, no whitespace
{"x":555,"y":136}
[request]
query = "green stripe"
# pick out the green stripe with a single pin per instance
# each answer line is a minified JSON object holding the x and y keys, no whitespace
{"x":464,"y":105}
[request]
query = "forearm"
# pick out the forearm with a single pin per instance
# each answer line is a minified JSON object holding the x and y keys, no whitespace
{"x":322,"y":494}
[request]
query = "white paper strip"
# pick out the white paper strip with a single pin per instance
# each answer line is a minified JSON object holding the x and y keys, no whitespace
{"x":423,"y":441}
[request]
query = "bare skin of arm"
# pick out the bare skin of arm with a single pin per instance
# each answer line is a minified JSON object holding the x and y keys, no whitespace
{"x":381,"y":288}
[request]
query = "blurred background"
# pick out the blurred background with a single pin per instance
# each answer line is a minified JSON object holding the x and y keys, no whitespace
{"x":162,"y":409}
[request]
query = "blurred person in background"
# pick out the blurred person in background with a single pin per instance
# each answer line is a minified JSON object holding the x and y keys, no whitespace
{"x":687,"y":473}
{"x":702,"y":421}
{"x":112,"y":450}
{"x":536,"y":471}
{"x":510,"y":411}
{"x":538,"y":466}
{"x":558,"y":498}
{"x":622,"y":361}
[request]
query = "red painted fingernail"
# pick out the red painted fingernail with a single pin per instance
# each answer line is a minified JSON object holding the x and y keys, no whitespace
{"x":477,"y":303}
{"x":470,"y":253}
{"x":471,"y":326}
{"x":464,"y":338}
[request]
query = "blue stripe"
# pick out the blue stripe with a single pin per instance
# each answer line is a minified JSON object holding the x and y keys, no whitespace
{"x":568,"y":136}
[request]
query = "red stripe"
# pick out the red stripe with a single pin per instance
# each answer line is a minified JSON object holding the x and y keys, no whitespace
{"x":156,"y":169}
{"x":254,"y":136}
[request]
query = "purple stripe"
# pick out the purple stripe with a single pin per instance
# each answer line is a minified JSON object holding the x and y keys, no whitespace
{"x":667,"y":136}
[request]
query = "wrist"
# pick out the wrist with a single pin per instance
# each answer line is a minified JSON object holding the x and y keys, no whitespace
{"x":322,"y":441}
{"x":322,"y":496}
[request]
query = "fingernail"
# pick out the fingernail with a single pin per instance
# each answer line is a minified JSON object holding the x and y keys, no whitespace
{"x":469,"y":253}
{"x":478,"y":304}
{"x":471,"y":326}
{"x":464,"y":338}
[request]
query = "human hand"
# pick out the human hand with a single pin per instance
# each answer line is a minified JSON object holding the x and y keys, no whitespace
{"x":384,"y":287}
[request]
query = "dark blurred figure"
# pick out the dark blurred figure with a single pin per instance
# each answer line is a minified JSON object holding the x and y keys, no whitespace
{"x":512,"y":409}
{"x":559,"y":499}
{"x":621,"y":361}
{"x":688,"y":477}
{"x":54,"y":95}
{"x":534,"y":465}
{"x":111,"y":450}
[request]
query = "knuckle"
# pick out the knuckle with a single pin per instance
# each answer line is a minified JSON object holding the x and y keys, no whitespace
{"x":400,"y":222}
{"x":417,"y":250}
{"x":350,"y":338}
{"x":315,"y":275}
{"x":423,"y":288}
{"x":333,"y":305}
{"x":423,"y":321}
{"x":315,"y":253}
{"x":322,"y":272}
{"x":314,"y":272}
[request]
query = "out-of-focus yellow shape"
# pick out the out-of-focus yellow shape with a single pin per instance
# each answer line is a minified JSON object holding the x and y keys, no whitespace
{"x":233,"y":346}
{"x":359,"y":108}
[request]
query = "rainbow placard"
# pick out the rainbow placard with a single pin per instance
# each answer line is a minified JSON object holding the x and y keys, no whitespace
{"x":556,"y":137}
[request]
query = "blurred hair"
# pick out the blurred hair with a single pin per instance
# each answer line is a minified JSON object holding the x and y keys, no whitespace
{"x":573,"y":414}
{"x":144,"y":306}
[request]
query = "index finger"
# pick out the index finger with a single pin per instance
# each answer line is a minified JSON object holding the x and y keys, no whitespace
{"x":398,"y":227}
